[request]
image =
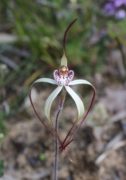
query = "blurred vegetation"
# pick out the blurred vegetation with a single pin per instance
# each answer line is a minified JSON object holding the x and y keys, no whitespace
{"x":31,"y":34}
{"x":34,"y":47}
{"x":1,"y":168}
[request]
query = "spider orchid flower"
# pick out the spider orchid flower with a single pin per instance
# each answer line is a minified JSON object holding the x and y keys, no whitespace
{"x":63,"y":78}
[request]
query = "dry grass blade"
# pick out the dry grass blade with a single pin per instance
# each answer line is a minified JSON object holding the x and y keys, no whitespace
{"x":104,"y":155}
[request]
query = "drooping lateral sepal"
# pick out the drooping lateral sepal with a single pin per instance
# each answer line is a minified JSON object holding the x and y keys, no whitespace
{"x":49,"y":101}
{"x":77,"y":100}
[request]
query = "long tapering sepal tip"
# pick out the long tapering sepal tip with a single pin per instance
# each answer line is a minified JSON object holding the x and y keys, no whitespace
{"x":64,"y":60}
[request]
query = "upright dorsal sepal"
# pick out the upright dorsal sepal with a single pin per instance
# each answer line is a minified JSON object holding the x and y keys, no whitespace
{"x":64,"y":60}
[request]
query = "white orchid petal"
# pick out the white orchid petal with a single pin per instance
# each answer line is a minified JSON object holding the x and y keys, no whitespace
{"x":50,"y":99}
{"x":80,"y":81}
{"x":64,"y":60}
{"x":78,"y":101}
{"x":46,"y":80}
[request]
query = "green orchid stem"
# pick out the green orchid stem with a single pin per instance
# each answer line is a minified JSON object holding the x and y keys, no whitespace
{"x":52,"y":132}
{"x":56,"y":160}
{"x":73,"y":130}
{"x":56,"y":140}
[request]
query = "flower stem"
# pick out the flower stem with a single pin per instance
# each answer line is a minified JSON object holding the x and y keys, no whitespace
{"x":56,"y":140}
{"x":56,"y":150}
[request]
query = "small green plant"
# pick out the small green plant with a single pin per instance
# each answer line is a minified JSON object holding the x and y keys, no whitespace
{"x":42,"y":157}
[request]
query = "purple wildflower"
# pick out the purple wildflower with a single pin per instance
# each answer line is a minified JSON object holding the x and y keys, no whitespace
{"x":109,"y":8}
{"x":116,"y":8}
{"x":119,"y":3}
{"x":121,"y":14}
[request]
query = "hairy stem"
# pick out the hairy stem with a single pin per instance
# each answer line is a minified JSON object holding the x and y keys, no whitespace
{"x":56,"y":140}
{"x":56,"y":149}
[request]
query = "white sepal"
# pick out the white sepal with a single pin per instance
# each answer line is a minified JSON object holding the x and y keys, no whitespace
{"x":46,"y":80}
{"x":64,"y":60}
{"x":80,"y":81}
{"x":49,"y":101}
{"x":77,"y":100}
